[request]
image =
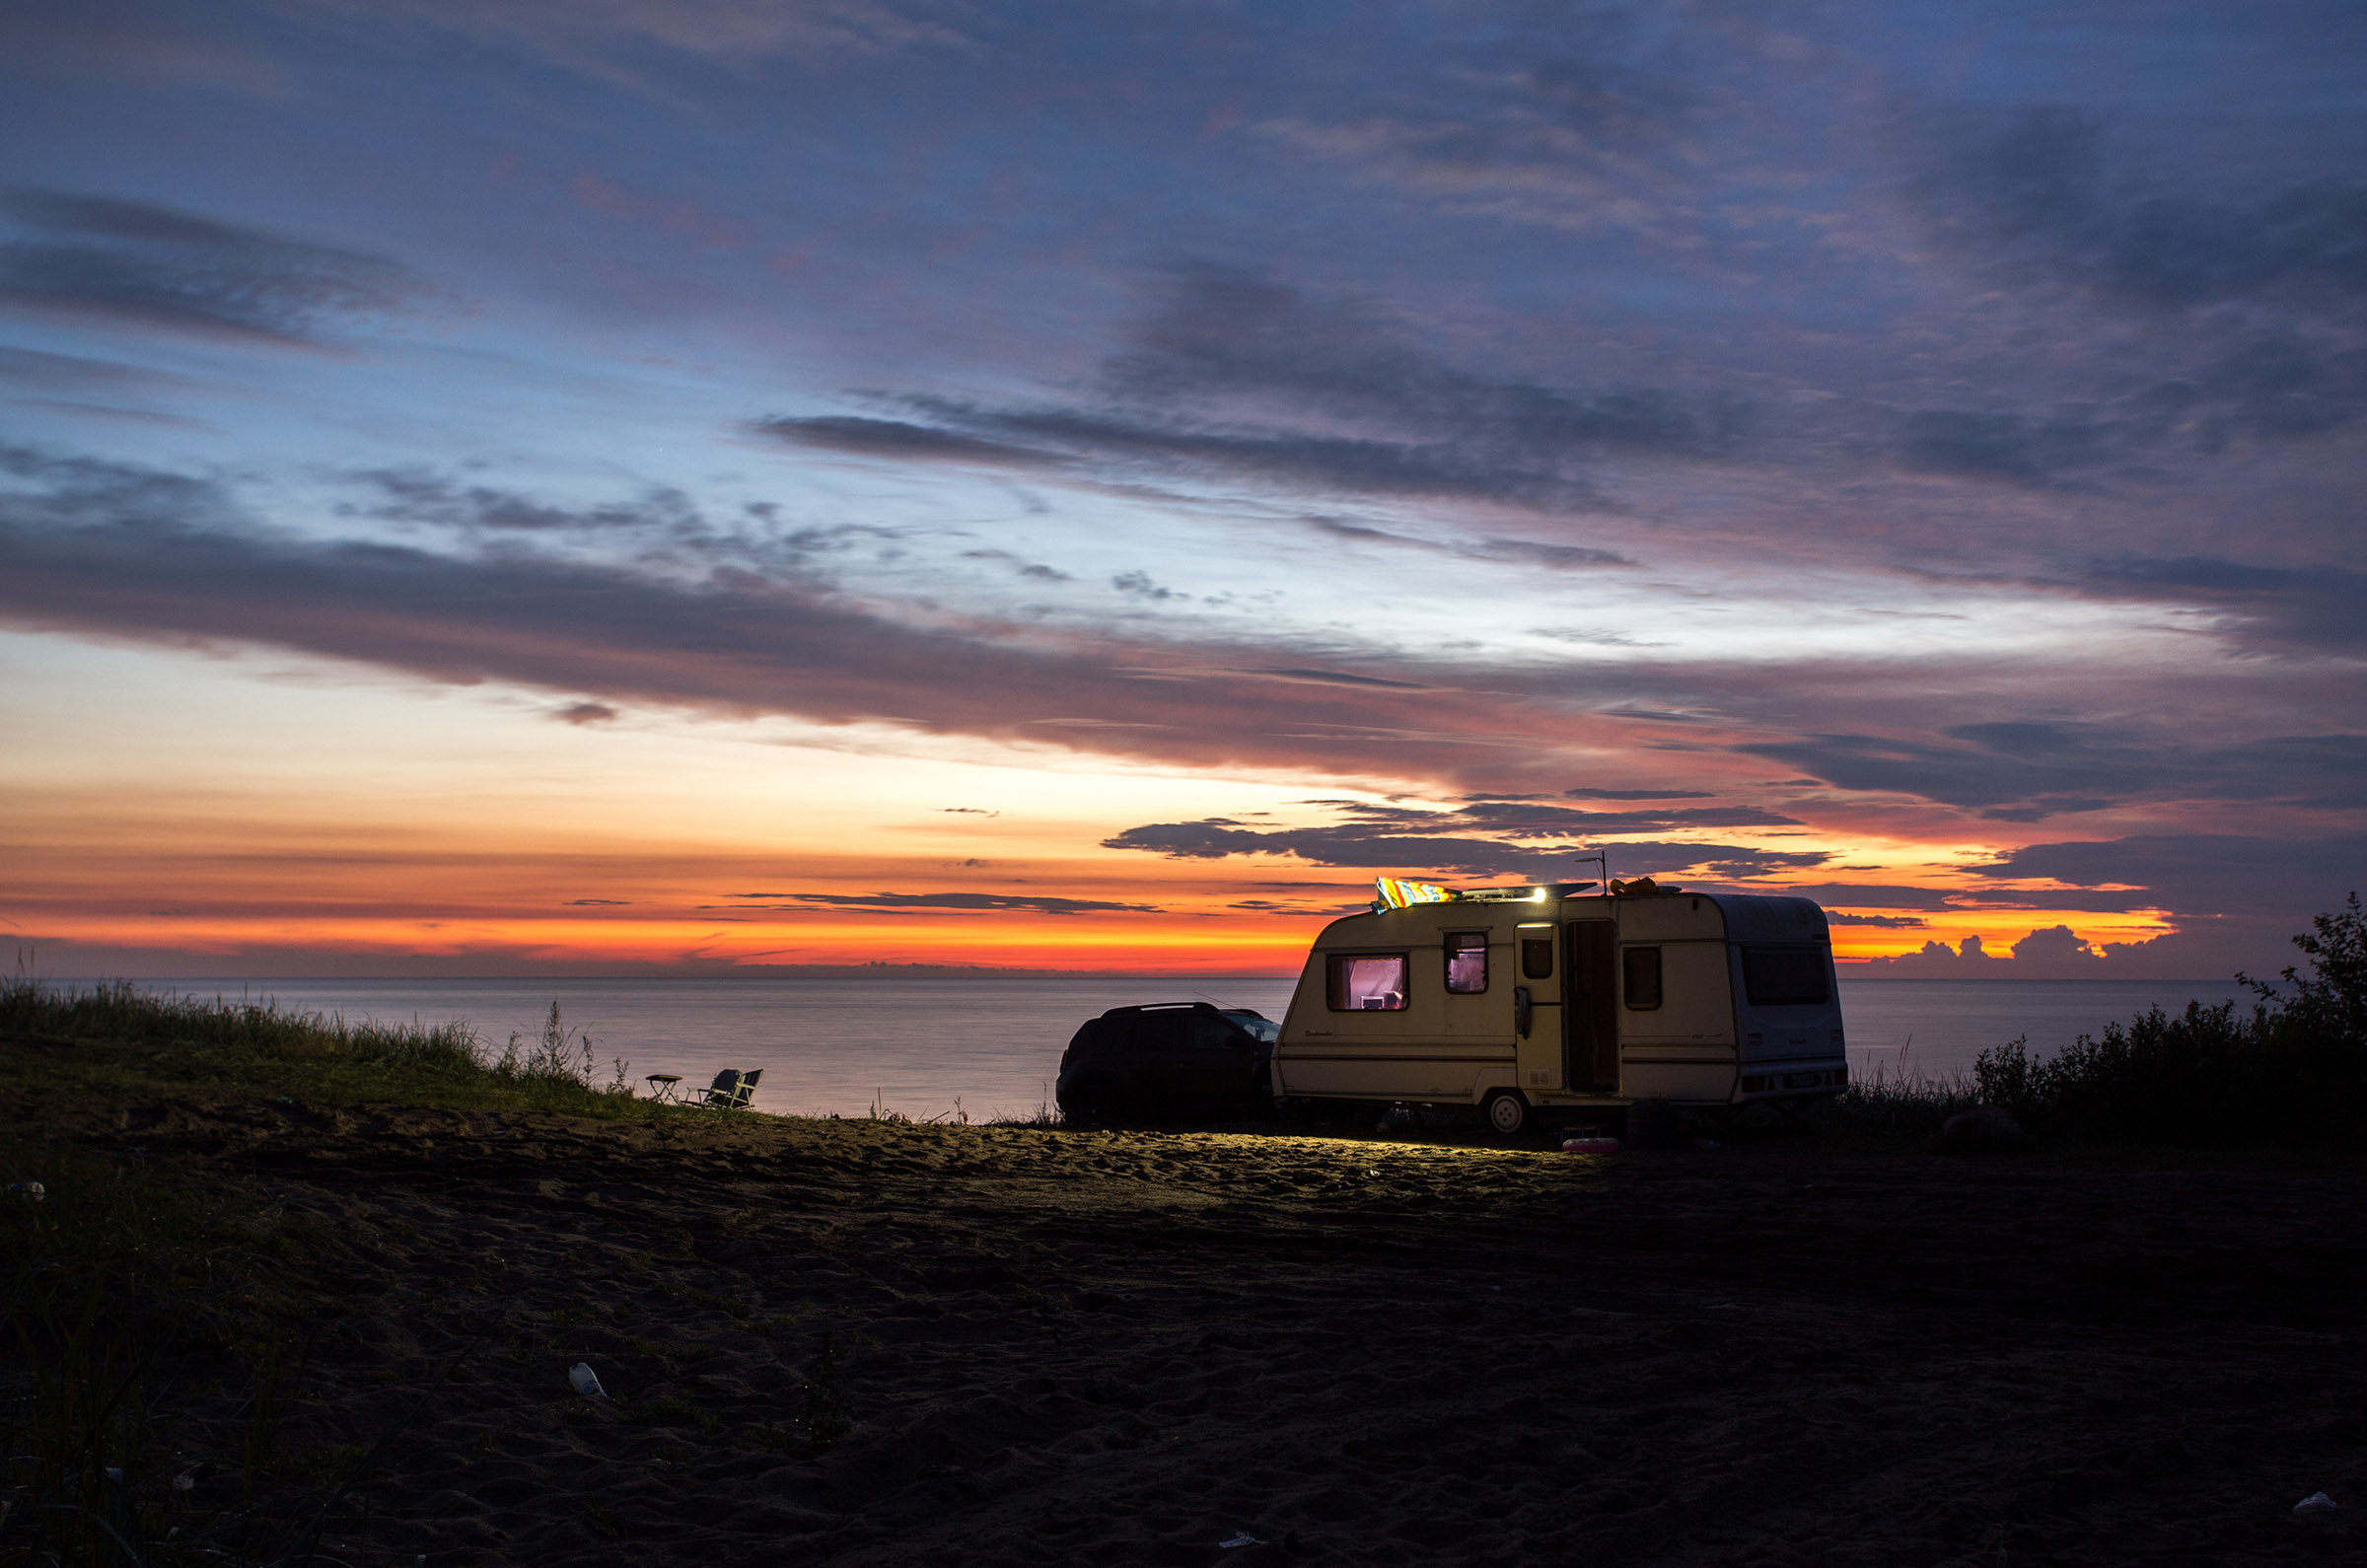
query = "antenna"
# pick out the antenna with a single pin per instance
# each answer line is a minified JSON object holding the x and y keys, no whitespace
{"x":1602,"y":861}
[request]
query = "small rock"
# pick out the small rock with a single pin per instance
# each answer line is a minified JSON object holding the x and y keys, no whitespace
{"x":1980,"y":1130}
{"x":2315,"y":1503}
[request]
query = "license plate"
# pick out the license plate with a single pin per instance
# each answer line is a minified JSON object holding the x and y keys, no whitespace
{"x":1801,"y":1080}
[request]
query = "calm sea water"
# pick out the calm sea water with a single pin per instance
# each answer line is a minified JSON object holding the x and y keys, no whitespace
{"x":992,"y":1042}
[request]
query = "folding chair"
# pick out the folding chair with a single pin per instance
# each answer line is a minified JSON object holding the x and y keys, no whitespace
{"x":721,"y":1094}
{"x":731,"y":1090}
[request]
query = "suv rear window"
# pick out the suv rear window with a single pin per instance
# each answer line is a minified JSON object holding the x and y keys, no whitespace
{"x":1785,"y":977}
{"x":1101,"y":1034}
{"x":1257,"y":1027}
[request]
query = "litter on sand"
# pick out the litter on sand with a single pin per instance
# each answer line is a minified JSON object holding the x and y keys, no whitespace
{"x":2315,"y":1503}
{"x":584,"y":1380}
{"x":1590,"y":1146}
{"x":33,"y":1191}
{"x":1245,"y":1538}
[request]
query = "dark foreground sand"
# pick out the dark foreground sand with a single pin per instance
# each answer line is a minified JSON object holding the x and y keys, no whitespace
{"x":1128,"y":1347}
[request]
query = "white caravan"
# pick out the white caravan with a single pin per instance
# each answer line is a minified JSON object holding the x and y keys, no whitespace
{"x":1522,"y":1000}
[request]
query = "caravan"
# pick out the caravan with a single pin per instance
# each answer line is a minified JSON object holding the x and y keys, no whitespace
{"x":1530,"y":1000}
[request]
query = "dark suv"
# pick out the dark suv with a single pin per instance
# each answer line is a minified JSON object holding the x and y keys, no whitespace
{"x":1165,"y":1058}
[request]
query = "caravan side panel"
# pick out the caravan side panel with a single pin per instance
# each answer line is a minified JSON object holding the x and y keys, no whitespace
{"x":1438,"y":1046}
{"x":1677,"y":1037}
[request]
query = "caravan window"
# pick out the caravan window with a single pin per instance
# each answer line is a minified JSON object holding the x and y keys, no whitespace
{"x":1639,"y":976}
{"x":1785,"y":977}
{"x":1467,"y":962}
{"x":1367,"y":982}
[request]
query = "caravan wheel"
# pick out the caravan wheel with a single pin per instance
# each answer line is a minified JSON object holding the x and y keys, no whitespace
{"x":1506,"y":1113}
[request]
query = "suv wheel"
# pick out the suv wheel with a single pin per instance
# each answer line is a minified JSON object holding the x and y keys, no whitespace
{"x":1087,"y":1106}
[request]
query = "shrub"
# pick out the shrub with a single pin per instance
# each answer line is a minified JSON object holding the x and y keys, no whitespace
{"x":2294,"y":1068}
{"x":2329,"y":1004}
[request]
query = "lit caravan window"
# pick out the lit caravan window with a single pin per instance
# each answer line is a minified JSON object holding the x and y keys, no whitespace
{"x":1639,"y":976}
{"x":1368,"y":982}
{"x":1784,"y":976}
{"x":1467,"y":962}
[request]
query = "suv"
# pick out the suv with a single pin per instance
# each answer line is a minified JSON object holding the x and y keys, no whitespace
{"x":1168,"y":1057}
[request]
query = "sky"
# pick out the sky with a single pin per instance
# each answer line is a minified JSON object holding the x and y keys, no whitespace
{"x":513,"y":486}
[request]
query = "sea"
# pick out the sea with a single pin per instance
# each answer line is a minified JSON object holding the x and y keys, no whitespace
{"x":986,"y":1046}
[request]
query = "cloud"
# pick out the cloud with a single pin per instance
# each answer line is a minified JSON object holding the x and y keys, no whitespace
{"x":2000,"y":445}
{"x":648,"y":599}
{"x":1567,"y":119}
{"x":1138,"y":584}
{"x":899,"y":441}
{"x":1035,"y":571}
{"x":2054,"y":952}
{"x":1230,"y":377}
{"x":586,"y":713}
{"x":2266,"y":284}
{"x":1988,"y":895}
{"x":1636,"y":795}
{"x":2052,"y":943}
{"x":2026,"y":771}
{"x":71,"y":372}
{"x":973,"y":902}
{"x":2220,"y":385}
{"x":1181,"y":442}
{"x":2312,"y":608}
{"x":1520,"y":553}
{"x":1223,"y":336}
{"x":421,"y":495}
{"x":1335,"y":677}
{"x":152,"y":266}
{"x":2252,"y":875}
{"x":121,"y":549}
{"x":1486,"y":839}
{"x":579,"y":903}
{"x":1530,"y":819}
{"x":625,"y":38}
{"x":2031,"y":190}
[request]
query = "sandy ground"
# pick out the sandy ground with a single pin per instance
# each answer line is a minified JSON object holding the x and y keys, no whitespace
{"x":1132,"y":1346}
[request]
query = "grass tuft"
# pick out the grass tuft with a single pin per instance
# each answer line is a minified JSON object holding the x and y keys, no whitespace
{"x":113,"y":1034}
{"x":824,"y":1417}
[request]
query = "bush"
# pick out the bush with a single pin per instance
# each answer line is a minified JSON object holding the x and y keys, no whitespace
{"x":2292,"y":1069}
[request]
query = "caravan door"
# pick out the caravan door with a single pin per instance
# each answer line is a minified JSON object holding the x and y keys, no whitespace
{"x":1538,"y":1053}
{"x":1593,"y":1049}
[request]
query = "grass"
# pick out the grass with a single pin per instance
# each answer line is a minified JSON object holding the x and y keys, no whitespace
{"x":822,"y":1415}
{"x":150,"y":1371}
{"x":115,"y":1037}
{"x":131,"y":1308}
{"x":1893,"y":1105}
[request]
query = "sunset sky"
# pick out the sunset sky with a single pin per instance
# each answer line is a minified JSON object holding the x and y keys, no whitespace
{"x":514,"y":486}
